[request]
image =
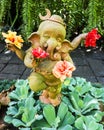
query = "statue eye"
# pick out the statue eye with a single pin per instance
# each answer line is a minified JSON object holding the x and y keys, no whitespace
{"x":46,"y":36}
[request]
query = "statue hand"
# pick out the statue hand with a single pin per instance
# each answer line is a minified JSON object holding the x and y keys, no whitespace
{"x":29,"y":60}
{"x":11,"y":47}
{"x":83,"y":35}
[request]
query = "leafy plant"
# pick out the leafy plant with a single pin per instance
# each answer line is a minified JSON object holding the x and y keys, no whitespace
{"x":79,"y":16}
{"x":6,"y":84}
{"x":79,"y":109}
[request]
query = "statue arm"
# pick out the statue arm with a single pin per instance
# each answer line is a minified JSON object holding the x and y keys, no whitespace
{"x":20,"y":53}
{"x":29,"y":59}
{"x":76,"y":41}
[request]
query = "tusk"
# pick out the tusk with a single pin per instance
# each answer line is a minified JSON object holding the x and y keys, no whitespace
{"x":47,"y":16}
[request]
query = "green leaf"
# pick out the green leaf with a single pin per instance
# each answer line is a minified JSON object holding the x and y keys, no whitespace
{"x":29,"y":116}
{"x":98,"y":116}
{"x":29,"y":103}
{"x":44,"y":128}
{"x":69,"y":104}
{"x":68,"y":119}
{"x":62,"y":110}
{"x":17,"y":123}
{"x":91,"y":105}
{"x":79,"y":123}
{"x":87,"y":123}
{"x":13,"y":95}
{"x":56,"y":122}
{"x":36,"y":128}
{"x":75,"y":98}
{"x":21,"y":82}
{"x":49,"y":114}
{"x":24,"y":129}
{"x":97,"y":92}
{"x":12,"y":110}
{"x":41,"y":123}
{"x":22,"y":89}
{"x":66,"y":82}
{"x":93,"y":125}
{"x":21,"y":107}
{"x":84,"y":88}
{"x":67,"y":127}
{"x":8,"y":119}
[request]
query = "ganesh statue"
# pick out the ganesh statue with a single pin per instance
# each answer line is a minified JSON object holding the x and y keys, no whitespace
{"x":48,"y":57}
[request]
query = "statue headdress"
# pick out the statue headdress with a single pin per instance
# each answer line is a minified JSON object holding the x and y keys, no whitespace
{"x":53,"y":18}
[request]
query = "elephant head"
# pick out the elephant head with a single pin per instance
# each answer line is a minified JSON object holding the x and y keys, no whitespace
{"x":50,"y":35}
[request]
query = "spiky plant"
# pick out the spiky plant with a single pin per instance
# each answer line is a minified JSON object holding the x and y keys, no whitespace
{"x":5,"y":6}
{"x":27,"y":17}
{"x":79,"y":15}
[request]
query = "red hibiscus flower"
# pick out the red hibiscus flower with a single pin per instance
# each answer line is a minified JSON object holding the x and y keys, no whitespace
{"x":63,"y":69}
{"x":91,"y":38}
{"x":39,"y":53}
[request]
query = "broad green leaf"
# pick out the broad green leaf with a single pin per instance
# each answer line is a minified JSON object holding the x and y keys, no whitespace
{"x":24,"y":92}
{"x":49,"y":114}
{"x":41,"y":123}
{"x":66,"y":100}
{"x":69,"y":104}
{"x":13,"y":95}
{"x":17,"y":123}
{"x":62,"y":110}
{"x":37,"y":128}
{"x":67,"y":127}
{"x":74,"y":98}
{"x":79,"y":123}
{"x":56,"y":122}
{"x":21,"y":82}
{"x":8,"y":119}
{"x":80,"y":81}
{"x":91,"y":105}
{"x":12,"y":103}
{"x":93,"y":125}
{"x":68,"y":119}
{"x":66,"y":82}
{"x":44,"y":128}
{"x":80,"y":103}
{"x":12,"y":110}
{"x":84,"y":88}
{"x":24,"y":129}
{"x":29,"y":103}
{"x":100,"y":127}
{"x":97,"y":92}
{"x":22,"y":88}
{"x":21,"y":107}
{"x":98,"y":116}
{"x":87,"y":123}
{"x":29,"y":116}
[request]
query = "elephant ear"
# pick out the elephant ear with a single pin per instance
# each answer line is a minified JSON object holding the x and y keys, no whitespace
{"x":34,"y":38}
{"x":66,"y":47}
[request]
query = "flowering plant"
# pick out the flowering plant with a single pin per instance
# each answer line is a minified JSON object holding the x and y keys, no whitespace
{"x":39,"y":53}
{"x":63,"y":69}
{"x":13,"y":38}
{"x":91,"y":38}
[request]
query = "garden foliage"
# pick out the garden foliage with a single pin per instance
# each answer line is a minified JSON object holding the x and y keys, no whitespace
{"x":79,"y":15}
{"x":79,"y":109}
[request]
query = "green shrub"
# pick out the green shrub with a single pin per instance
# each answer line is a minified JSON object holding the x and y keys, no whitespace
{"x":80,"y":16}
{"x":79,"y":109}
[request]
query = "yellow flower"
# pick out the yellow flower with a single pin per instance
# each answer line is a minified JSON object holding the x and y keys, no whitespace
{"x":12,"y":38}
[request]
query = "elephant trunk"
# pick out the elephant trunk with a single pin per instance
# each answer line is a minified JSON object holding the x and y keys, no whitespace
{"x":52,"y":46}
